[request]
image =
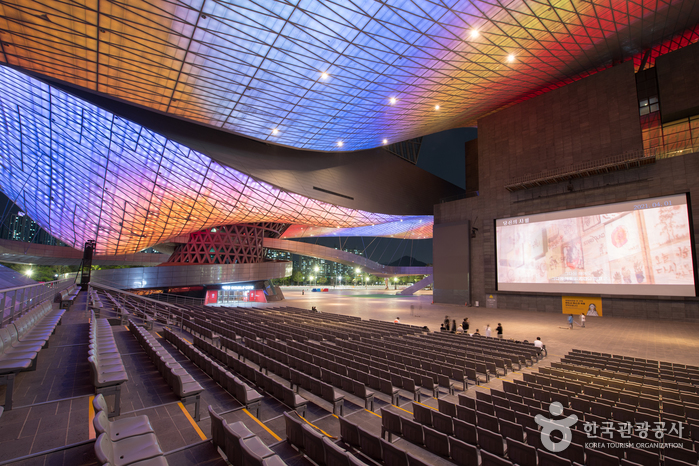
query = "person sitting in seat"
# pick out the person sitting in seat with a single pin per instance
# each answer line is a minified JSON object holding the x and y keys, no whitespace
{"x":442,"y":328}
{"x":540,"y":346}
{"x":397,"y":321}
{"x":476,"y":333}
{"x":460,"y":330}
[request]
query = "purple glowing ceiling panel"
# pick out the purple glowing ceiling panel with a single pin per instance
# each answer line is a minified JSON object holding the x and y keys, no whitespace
{"x":333,"y":75}
{"x":83,"y":173}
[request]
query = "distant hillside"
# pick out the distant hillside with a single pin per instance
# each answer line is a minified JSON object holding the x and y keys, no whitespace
{"x":408,"y":261}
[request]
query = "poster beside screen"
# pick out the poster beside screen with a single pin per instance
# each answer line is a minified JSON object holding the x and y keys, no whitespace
{"x":628,"y":248}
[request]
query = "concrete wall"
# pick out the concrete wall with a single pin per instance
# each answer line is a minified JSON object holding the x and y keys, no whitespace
{"x":677,"y":83}
{"x":527,"y":139}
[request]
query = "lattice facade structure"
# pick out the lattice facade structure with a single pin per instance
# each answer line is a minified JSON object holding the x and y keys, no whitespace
{"x":316,"y":73}
{"x":83,"y":173}
{"x":229,"y":244}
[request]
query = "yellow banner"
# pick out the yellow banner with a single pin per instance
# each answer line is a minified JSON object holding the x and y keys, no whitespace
{"x":588,"y":305}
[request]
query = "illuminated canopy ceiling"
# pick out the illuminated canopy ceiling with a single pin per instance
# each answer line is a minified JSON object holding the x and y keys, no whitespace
{"x":83,"y":173}
{"x":325,"y":72}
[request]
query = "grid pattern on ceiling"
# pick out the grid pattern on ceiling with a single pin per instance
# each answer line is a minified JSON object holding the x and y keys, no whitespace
{"x":407,"y":150}
{"x":83,"y":173}
{"x":254,"y":66}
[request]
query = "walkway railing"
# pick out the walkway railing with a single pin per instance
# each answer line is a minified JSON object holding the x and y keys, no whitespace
{"x":15,"y":302}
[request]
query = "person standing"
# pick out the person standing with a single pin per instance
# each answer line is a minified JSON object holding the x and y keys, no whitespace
{"x":582,"y":320}
{"x":465,"y":325}
{"x":498,"y":329}
{"x":570,"y":321}
{"x":453,"y":326}
{"x":487,"y":330}
{"x":446,"y":322}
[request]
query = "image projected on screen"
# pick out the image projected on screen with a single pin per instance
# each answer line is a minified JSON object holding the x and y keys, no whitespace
{"x":629,"y":248}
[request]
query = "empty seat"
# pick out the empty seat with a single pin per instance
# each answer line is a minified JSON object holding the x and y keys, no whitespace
{"x":465,"y":432}
{"x":334,"y":455}
{"x":436,"y":442}
{"x":390,"y":423}
{"x":122,"y":428}
{"x":521,"y":453}
{"x":511,"y":430}
{"x":489,"y":459}
{"x":218,"y":435}
{"x":490,"y":441}
{"x":412,"y":431}
{"x":549,"y":459}
{"x":349,"y":432}
{"x":234,"y":434}
{"x":313,"y":444}
{"x":392,"y":455}
{"x":127,"y":451}
{"x":370,"y":444}
{"x":422,"y":414}
{"x":466,"y":414}
{"x":443,"y":423}
{"x":599,"y":458}
{"x":254,"y":451}
{"x":294,"y":430}
{"x":462,"y":453}
{"x":446,"y":407}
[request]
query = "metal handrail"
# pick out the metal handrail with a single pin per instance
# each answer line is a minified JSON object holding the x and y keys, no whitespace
{"x":150,"y":311}
{"x":17,"y":301}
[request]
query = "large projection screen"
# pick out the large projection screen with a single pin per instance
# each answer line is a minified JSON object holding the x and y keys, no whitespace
{"x":628,"y":248}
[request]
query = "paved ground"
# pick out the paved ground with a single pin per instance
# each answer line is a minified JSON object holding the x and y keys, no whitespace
{"x":662,"y":340}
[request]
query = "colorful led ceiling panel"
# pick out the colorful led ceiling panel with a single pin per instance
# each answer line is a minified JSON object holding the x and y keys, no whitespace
{"x":322,"y":73}
{"x":83,"y":173}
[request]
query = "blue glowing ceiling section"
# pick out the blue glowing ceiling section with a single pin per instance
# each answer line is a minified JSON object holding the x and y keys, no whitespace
{"x":323,"y":72}
{"x":83,"y":173}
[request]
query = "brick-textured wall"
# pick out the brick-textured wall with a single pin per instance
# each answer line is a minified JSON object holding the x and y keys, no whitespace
{"x":677,"y":83}
{"x":503,"y":153}
{"x":590,"y":119}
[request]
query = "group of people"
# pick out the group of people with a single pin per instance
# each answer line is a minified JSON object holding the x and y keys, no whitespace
{"x":450,"y":326}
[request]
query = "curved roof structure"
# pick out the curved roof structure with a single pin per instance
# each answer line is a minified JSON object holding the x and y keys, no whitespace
{"x":83,"y":173}
{"x":329,"y":75}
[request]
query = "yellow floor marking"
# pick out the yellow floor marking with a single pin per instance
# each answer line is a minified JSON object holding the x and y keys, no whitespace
{"x":427,"y":406}
{"x":263,"y":426}
{"x":316,"y":427}
{"x":158,"y":335}
{"x":187,"y":341}
{"x":126,"y":327}
{"x":403,"y":409}
{"x":191,"y":421}
{"x":372,"y":412}
{"x":90,"y":415}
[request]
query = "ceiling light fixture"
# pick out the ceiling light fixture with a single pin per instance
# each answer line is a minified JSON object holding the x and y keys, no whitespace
{"x":385,"y":141}
{"x":474,"y":33}
{"x":324,"y":75}
{"x":275,"y":131}
{"x":339,"y":144}
{"x":511,"y":58}
{"x":392,"y":100}
{"x":436,"y":107}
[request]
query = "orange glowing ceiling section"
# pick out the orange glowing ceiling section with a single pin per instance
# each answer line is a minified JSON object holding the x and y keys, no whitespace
{"x":330,"y":75}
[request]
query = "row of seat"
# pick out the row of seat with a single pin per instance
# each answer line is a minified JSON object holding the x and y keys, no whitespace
{"x":320,"y":369}
{"x":21,"y":341}
{"x":279,"y":391}
{"x":177,"y":377}
{"x":66,"y":297}
{"x":239,"y":444}
{"x":106,"y":366}
{"x":375,"y":447}
{"x":317,"y":446}
{"x":461,"y":371}
{"x":125,"y":441}
{"x":220,"y":374}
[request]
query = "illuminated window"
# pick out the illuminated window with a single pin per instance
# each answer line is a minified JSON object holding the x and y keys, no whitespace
{"x":650,"y":105}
